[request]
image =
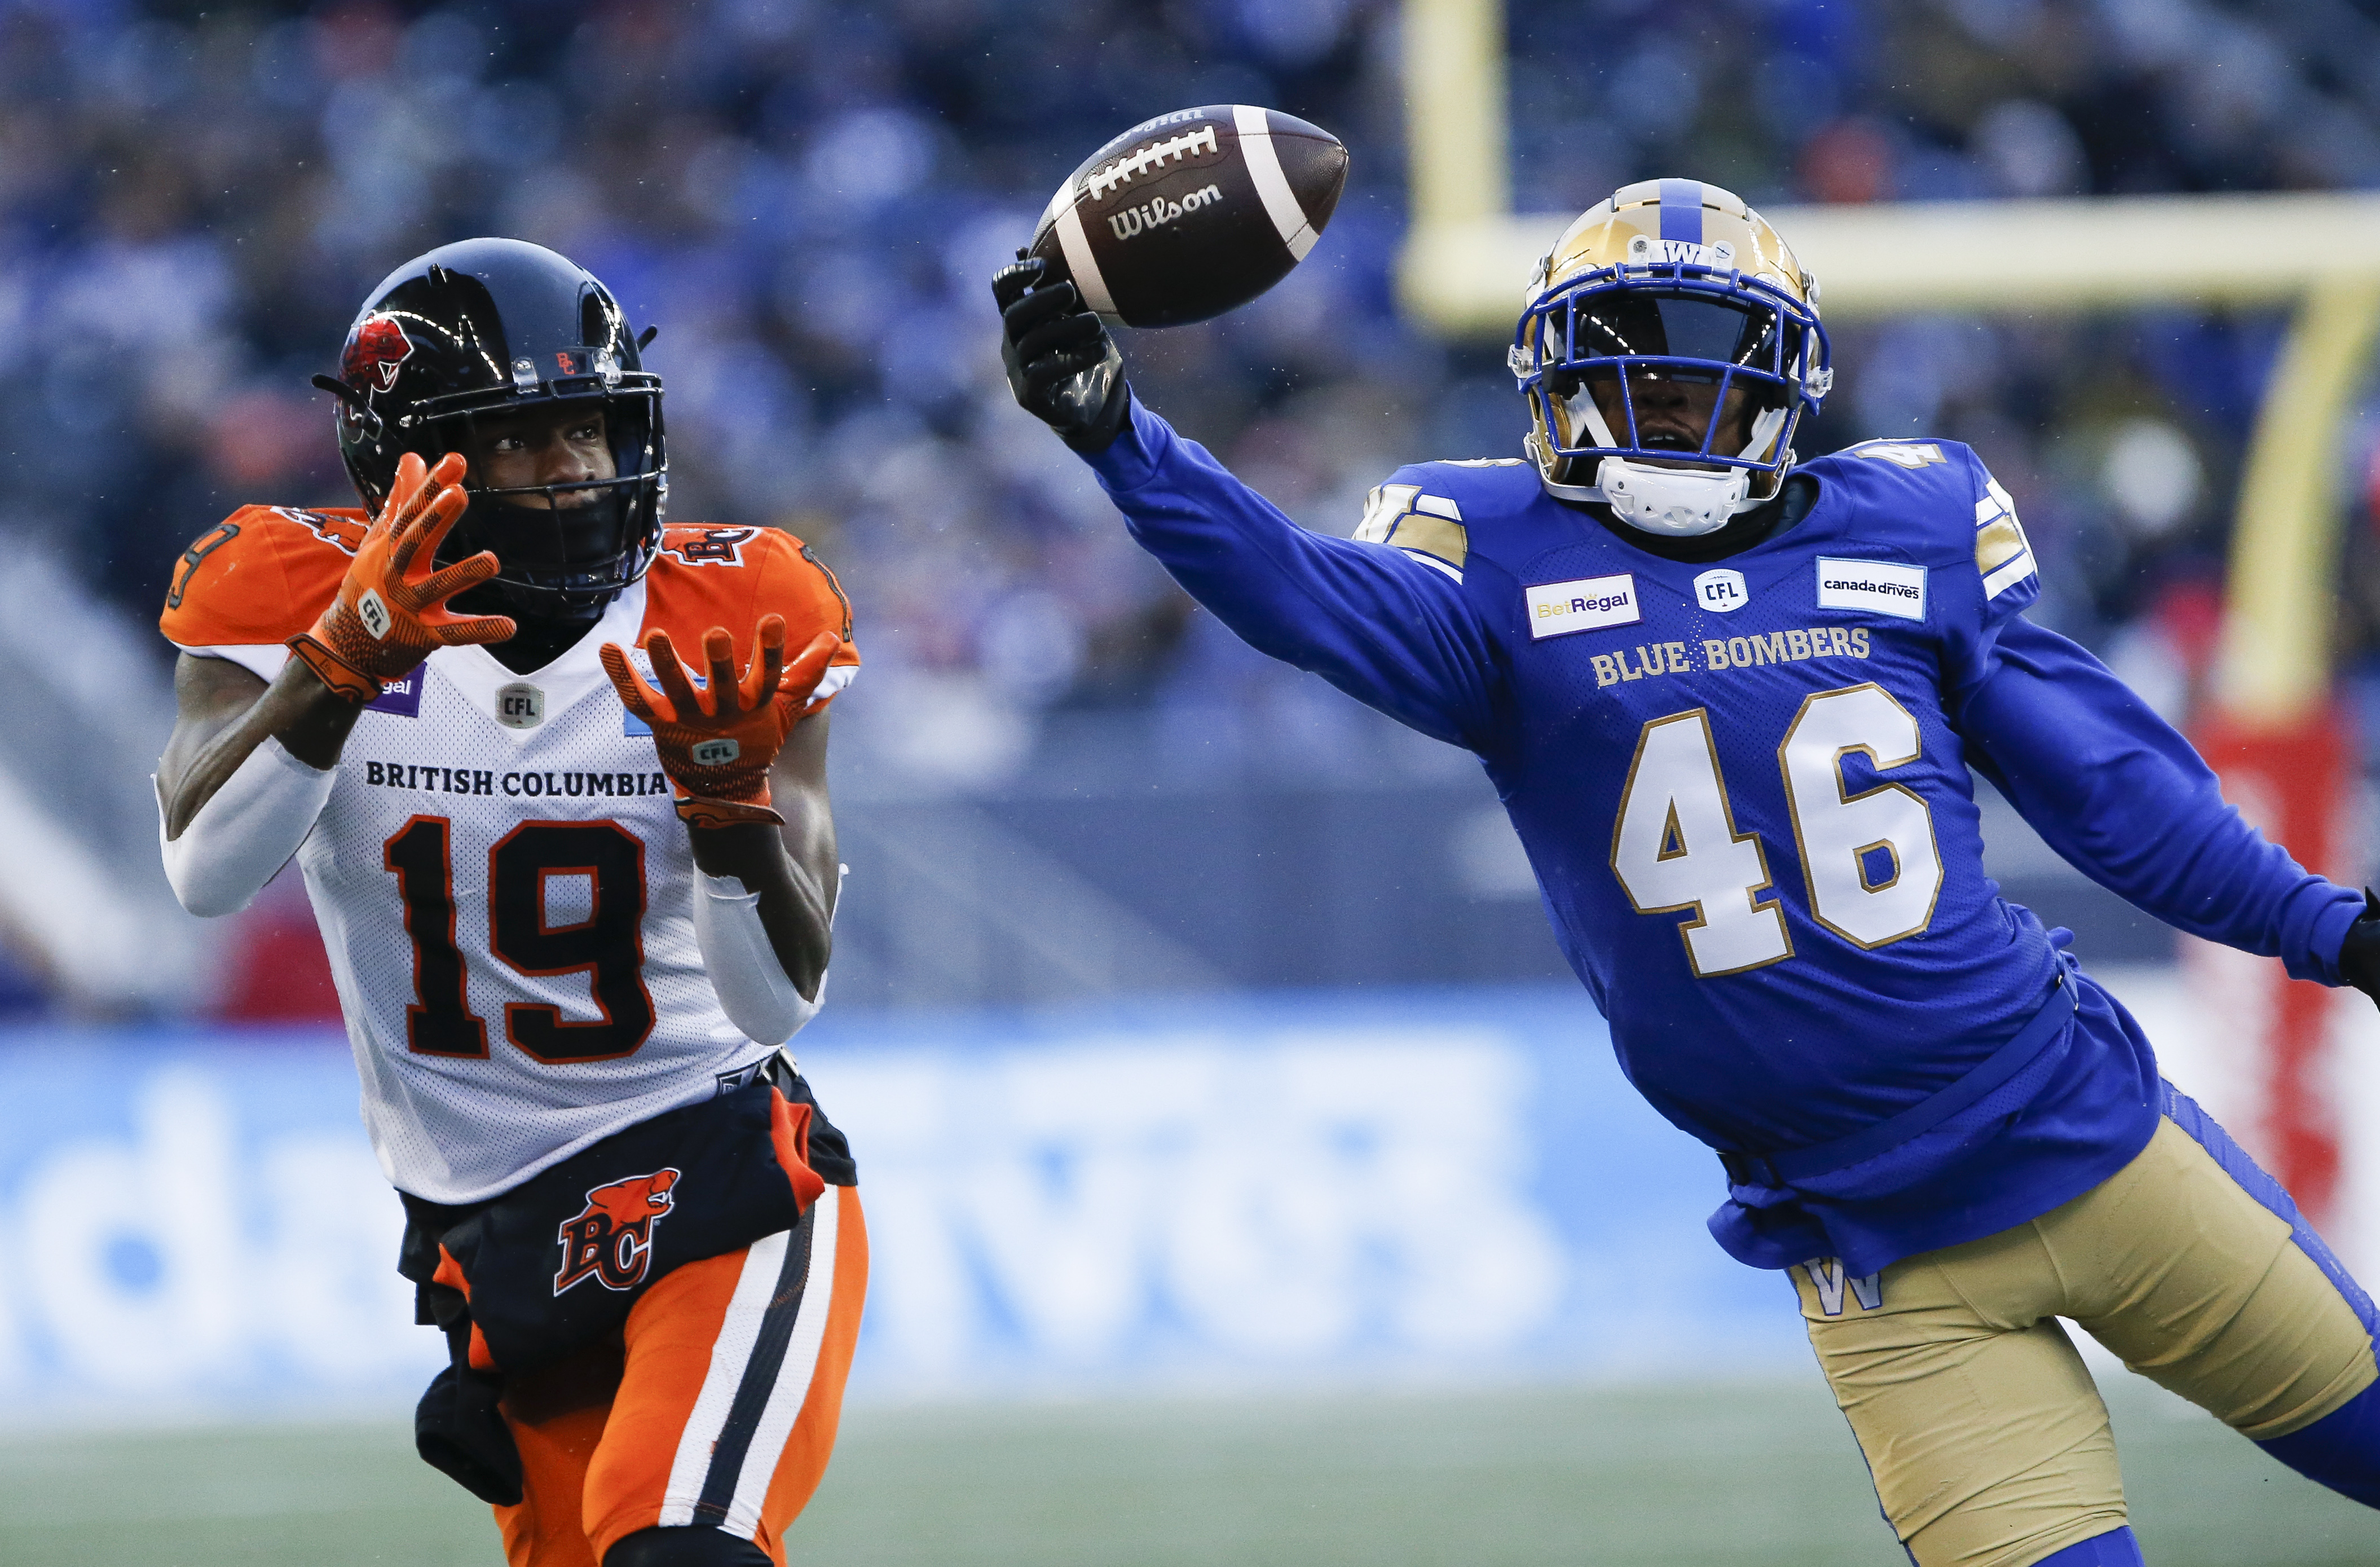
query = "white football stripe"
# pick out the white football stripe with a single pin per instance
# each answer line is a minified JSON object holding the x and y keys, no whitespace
{"x":1264,"y":167}
{"x":730,"y":1353}
{"x":794,"y":1376}
{"x":1082,"y":264}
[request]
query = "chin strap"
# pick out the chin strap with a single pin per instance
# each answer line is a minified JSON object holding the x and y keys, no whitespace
{"x":1671,"y":501}
{"x":1674,"y":503}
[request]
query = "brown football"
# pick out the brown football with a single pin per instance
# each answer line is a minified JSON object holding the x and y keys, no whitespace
{"x":1192,"y":213}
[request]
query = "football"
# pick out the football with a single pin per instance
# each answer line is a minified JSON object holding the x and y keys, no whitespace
{"x":1192,"y":213}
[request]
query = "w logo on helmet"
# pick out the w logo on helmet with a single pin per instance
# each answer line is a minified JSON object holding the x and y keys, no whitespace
{"x":611,"y":1238}
{"x":376,"y":350}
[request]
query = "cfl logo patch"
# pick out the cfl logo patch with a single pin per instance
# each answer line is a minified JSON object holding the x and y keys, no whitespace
{"x":373,"y":613}
{"x":1827,"y":1278}
{"x":716,"y":753}
{"x":1721,"y":591}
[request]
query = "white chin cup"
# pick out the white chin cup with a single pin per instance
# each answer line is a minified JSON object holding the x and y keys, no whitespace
{"x":1675,"y":502}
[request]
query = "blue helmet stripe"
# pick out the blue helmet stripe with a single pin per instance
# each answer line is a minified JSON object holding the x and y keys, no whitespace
{"x":1681,"y":209}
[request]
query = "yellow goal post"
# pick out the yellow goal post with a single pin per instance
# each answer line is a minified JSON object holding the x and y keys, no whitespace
{"x":1467,"y":255}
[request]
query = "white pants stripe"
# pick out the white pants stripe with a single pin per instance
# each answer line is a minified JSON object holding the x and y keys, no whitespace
{"x":729,"y":1356}
{"x":794,"y":1379}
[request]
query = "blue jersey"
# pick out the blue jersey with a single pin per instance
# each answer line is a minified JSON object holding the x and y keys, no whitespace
{"x":1744,"y":787}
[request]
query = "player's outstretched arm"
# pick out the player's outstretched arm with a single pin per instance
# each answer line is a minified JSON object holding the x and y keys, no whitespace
{"x":1390,"y":632}
{"x":248,"y":766}
{"x":2359,"y":953}
{"x":748,"y":759}
{"x":2124,"y":798}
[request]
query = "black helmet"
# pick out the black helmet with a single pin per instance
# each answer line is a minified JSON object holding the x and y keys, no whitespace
{"x":487,"y":327}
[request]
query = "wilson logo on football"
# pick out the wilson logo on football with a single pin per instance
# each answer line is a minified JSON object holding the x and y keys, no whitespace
{"x":376,"y":350}
{"x":611,"y":1238}
{"x":1133,"y":219}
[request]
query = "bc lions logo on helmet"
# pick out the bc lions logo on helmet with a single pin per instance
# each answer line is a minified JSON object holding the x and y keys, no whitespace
{"x":611,"y":1238}
{"x":376,"y":350}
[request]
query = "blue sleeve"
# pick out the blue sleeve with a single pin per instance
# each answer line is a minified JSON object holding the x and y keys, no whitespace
{"x":2113,"y":788}
{"x":1390,"y":631}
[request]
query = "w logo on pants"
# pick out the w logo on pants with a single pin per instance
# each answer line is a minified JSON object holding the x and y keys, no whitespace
{"x":1827,"y":1278}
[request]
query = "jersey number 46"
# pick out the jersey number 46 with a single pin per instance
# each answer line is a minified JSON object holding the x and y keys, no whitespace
{"x":1870,"y":858}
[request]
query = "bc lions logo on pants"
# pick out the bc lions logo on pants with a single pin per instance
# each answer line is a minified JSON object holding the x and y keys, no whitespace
{"x":611,"y":1238}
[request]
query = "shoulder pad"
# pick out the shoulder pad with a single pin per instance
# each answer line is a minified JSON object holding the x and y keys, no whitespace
{"x":705,"y":545}
{"x":258,"y":576}
{"x":706,"y":577}
{"x":1429,"y":509}
{"x":1921,"y":494}
{"x":1911,"y":456}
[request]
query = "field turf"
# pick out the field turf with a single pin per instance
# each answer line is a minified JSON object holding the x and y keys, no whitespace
{"x":1762,"y":1474}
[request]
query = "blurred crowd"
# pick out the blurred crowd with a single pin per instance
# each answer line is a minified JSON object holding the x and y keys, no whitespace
{"x":807,"y":198}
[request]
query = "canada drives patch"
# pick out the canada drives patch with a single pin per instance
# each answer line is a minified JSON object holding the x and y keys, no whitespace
{"x":1879,"y":586}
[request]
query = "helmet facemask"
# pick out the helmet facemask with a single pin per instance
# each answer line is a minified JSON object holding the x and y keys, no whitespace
{"x":1668,"y":392}
{"x":561,"y":558}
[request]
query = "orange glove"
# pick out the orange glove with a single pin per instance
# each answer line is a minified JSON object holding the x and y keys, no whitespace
{"x":387,"y":617}
{"x":717,"y":744}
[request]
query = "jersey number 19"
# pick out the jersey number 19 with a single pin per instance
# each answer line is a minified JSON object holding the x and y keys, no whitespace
{"x":607,"y":946}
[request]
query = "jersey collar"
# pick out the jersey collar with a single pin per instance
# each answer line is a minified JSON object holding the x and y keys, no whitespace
{"x":478,"y":677}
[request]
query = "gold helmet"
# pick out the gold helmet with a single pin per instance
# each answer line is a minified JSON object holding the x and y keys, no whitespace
{"x":1668,"y":347}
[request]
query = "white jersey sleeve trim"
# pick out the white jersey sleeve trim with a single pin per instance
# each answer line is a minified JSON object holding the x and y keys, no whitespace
{"x":835,"y":681}
{"x":246,"y":832}
{"x":263,"y":662}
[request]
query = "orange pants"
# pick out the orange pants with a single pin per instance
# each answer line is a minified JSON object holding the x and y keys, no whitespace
{"x":718,"y":1409}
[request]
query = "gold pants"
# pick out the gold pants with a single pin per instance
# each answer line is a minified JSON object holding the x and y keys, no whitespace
{"x":1986,"y":1438}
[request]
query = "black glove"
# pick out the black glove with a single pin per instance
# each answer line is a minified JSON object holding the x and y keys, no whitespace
{"x":2359,"y":956}
{"x":460,"y":1432}
{"x":1061,"y":364}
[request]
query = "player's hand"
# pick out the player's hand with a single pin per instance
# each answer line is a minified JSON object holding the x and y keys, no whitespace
{"x":388,"y":616}
{"x":717,"y":743}
{"x":1061,"y":364}
{"x":2359,"y":956}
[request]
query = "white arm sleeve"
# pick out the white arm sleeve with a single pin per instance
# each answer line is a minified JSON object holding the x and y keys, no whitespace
{"x":752,"y":985}
{"x":246,"y":832}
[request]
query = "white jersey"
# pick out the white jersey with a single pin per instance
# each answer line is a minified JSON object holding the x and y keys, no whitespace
{"x":502,"y":880}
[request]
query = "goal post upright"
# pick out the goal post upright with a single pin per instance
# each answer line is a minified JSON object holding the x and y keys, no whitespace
{"x":2273,"y":729}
